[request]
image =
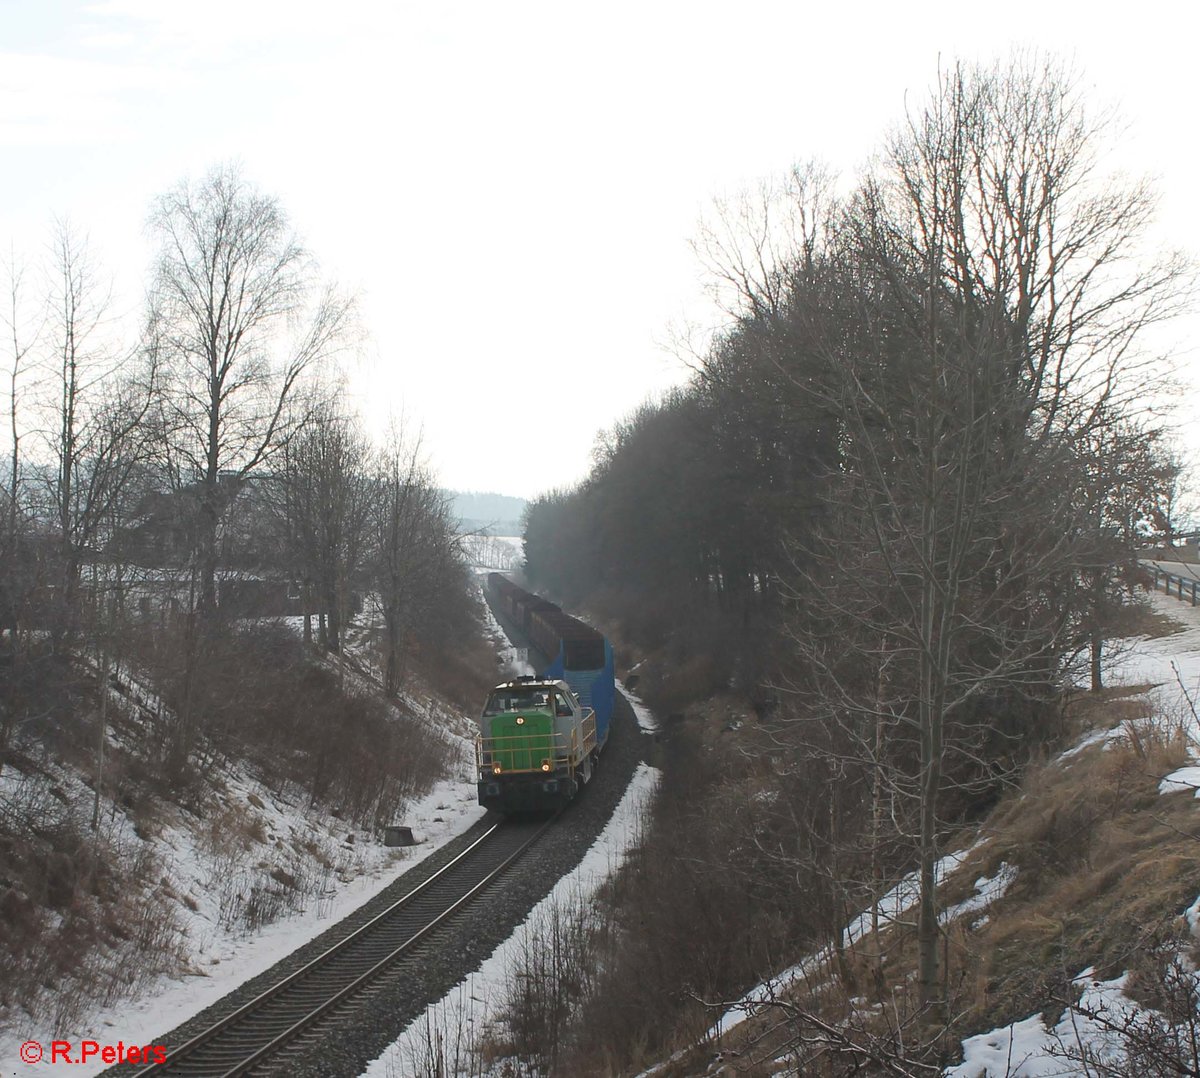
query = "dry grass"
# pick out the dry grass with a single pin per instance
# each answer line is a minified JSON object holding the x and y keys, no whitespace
{"x":1105,"y":866}
{"x":82,"y":918}
{"x":462,"y":676}
{"x":1104,"y":861}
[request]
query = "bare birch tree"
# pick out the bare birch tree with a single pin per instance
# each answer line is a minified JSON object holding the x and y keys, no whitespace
{"x":22,"y":328}
{"x":17,"y":569}
{"x":242,"y":323}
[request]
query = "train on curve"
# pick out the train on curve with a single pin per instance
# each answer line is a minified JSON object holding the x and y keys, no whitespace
{"x":540,"y":737}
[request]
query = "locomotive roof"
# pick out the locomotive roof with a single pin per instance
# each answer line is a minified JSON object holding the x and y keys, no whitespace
{"x":531,"y":683}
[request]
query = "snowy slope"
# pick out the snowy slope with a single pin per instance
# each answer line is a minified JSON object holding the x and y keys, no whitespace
{"x":1030,"y":1048}
{"x":223,"y":956}
{"x":209,"y":865}
{"x":1169,"y":667}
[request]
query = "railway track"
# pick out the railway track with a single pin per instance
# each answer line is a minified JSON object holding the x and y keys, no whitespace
{"x":253,"y":1037}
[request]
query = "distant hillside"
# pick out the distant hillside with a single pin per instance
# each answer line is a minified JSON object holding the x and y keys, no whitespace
{"x":498,"y":514}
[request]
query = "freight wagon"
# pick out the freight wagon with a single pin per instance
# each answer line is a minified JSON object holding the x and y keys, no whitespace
{"x":540,"y":737}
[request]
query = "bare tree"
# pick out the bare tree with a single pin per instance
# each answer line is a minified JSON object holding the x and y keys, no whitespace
{"x":1127,"y":476}
{"x":22,"y":328}
{"x":101,"y":398}
{"x":83,"y":417}
{"x":1173,"y":500}
{"x":17,"y":574}
{"x":242,"y":322}
{"x":754,"y":242}
{"x":414,"y":545}
{"x":941,"y":382}
{"x":992,"y":296}
{"x":78,"y":307}
{"x":323,"y":504}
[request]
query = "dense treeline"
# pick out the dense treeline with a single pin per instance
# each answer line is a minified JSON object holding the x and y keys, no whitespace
{"x":160,"y":488}
{"x":897,"y":506}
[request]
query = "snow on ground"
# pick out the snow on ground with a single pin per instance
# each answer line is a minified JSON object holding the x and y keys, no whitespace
{"x":514,"y":660}
{"x":1192,"y":916}
{"x":1171,"y":666}
{"x":223,"y":960}
{"x":503,"y":553}
{"x":474,"y":1004}
{"x":645,"y":717}
{"x":1169,"y":663}
{"x":987,"y":890}
{"x":900,"y":899}
{"x":1186,"y":778}
{"x":1031,"y":1049}
{"x":890,"y":907}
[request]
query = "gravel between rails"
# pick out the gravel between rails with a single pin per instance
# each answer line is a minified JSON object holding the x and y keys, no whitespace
{"x":342,"y":1045}
{"x":458,"y":949}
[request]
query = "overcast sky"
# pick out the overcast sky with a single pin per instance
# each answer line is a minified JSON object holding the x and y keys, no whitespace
{"x":510,"y":187}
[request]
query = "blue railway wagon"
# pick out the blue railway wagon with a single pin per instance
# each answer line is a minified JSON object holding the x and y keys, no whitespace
{"x":579,"y":656}
{"x":594,"y":685}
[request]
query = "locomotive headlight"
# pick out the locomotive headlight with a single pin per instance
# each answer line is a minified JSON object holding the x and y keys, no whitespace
{"x":520,"y":720}
{"x":545,"y":765}
{"x":495,"y":769}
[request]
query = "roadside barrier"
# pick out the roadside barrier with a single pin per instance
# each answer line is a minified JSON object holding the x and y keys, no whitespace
{"x":1181,"y":587}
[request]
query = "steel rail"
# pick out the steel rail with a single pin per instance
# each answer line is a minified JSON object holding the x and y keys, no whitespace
{"x":284,"y":1028}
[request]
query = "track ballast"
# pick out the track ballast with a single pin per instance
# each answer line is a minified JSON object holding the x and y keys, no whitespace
{"x":259,"y":1033}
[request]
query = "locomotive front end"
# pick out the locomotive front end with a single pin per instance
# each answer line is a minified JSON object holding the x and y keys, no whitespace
{"x":534,"y":745}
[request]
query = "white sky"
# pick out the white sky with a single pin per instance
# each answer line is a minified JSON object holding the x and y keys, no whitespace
{"x":510,"y":187}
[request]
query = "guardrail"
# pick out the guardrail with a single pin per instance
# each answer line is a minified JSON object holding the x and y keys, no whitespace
{"x":1173,"y":584}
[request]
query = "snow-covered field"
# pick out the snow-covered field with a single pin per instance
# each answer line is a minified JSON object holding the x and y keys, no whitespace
{"x":495,"y":552}
{"x":1169,"y":663}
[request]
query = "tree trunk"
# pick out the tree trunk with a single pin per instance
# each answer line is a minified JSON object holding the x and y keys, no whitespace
{"x":333,"y":630}
{"x":207,"y":553}
{"x":100,"y":746}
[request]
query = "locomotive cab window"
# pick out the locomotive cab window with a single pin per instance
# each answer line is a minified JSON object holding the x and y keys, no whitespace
{"x":516,"y":700}
{"x":562,"y":705}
